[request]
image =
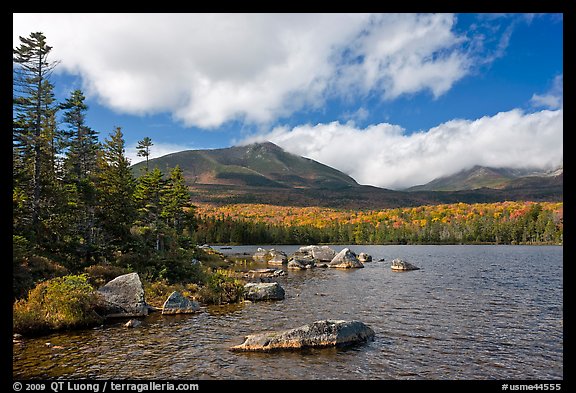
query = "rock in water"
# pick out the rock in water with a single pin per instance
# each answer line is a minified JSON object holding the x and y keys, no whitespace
{"x":124,"y":297}
{"x":178,"y":304}
{"x":401,"y":265}
{"x":263,"y":291}
{"x":345,"y":259}
{"x":318,"y":253}
{"x":301,"y":262}
{"x":363,"y":257}
{"x":260,"y":255}
{"x":325,"y":333}
{"x":277,"y":258}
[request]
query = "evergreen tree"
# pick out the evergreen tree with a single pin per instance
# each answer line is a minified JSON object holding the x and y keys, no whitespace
{"x":176,"y":208}
{"x":35,"y":137}
{"x":148,"y":198}
{"x":144,"y":149}
{"x":80,"y":172}
{"x":116,"y":208}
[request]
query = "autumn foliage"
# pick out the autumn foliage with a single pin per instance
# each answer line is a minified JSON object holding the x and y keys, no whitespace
{"x":501,"y":223}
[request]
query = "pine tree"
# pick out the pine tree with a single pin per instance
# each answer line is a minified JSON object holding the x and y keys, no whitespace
{"x":80,"y":169}
{"x":148,"y":196}
{"x":176,"y":207}
{"x":35,"y":137}
{"x":116,"y":209}
{"x":144,"y":149}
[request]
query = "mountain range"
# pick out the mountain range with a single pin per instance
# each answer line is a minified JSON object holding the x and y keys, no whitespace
{"x":265,"y":173}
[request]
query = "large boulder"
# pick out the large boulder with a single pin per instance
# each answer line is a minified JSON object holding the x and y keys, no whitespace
{"x":345,"y":259}
{"x":400,"y":265}
{"x":263,"y":291}
{"x":178,"y":304}
{"x":319,"y":253}
{"x":123,"y":297}
{"x":325,"y":333}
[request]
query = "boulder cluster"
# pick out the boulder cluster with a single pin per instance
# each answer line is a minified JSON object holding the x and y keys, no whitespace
{"x":308,"y":257}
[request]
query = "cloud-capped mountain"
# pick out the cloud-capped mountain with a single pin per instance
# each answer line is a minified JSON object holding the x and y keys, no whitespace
{"x":265,"y":173}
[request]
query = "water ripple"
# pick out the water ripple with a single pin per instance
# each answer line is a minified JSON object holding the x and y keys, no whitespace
{"x":471,"y":312}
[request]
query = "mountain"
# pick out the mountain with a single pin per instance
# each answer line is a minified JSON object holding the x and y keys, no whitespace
{"x":495,"y":178}
{"x":256,"y":165}
{"x":265,"y":173}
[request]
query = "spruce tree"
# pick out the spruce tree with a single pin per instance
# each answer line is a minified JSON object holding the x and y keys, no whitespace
{"x":144,"y":149}
{"x":35,"y":138}
{"x":80,"y":171}
{"x":116,"y":185}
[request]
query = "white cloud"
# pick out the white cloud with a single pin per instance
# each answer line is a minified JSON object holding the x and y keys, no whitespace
{"x":207,"y":69}
{"x":383,"y":155}
{"x":554,"y":98}
{"x":156,"y":150}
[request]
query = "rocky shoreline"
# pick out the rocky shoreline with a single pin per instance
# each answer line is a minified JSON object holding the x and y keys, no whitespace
{"x":124,"y":298}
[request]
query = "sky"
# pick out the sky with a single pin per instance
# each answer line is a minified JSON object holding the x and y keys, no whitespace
{"x":393,"y":100}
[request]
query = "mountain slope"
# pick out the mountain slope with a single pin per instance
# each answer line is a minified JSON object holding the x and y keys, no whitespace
{"x":494,"y":178}
{"x":264,"y":173}
{"x":258,"y":165}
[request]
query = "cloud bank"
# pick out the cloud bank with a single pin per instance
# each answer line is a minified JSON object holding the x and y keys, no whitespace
{"x":384,"y":155}
{"x":208,"y":69}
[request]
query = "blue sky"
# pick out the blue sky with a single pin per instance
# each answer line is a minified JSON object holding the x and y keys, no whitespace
{"x":392,"y":100}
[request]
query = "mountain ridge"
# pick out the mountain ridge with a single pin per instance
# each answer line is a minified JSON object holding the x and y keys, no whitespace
{"x":265,"y":173}
{"x":496,"y":178}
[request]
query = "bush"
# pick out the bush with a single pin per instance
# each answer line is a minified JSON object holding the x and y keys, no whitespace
{"x":157,"y":292}
{"x":60,"y":303}
{"x":100,"y":274}
{"x":29,"y":270}
{"x":222,"y":288}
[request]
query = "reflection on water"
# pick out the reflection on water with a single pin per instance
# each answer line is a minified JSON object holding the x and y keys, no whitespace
{"x":470,"y":312}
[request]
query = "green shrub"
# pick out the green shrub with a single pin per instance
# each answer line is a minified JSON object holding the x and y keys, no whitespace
{"x":157,"y":292}
{"x":100,"y":274}
{"x":60,"y":303}
{"x":29,"y":270}
{"x":221,"y":288}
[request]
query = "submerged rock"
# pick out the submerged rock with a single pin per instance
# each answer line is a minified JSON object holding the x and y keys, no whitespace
{"x":178,"y":304}
{"x":345,"y":259}
{"x":123,"y":297}
{"x":263,"y":291}
{"x":325,"y":333}
{"x":401,"y":265}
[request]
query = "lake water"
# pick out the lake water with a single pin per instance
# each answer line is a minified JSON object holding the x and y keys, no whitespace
{"x":470,"y":312}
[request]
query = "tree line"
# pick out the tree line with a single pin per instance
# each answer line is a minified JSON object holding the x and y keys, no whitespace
{"x":75,"y":199}
{"x":459,"y":223}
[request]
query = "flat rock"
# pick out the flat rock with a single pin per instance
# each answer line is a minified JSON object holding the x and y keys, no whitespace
{"x":263,"y":291}
{"x":277,"y":258}
{"x":318,"y":253}
{"x":401,"y":265}
{"x":324,"y":333}
{"x":178,"y":304}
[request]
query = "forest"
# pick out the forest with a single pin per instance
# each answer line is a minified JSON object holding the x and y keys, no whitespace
{"x":510,"y":222}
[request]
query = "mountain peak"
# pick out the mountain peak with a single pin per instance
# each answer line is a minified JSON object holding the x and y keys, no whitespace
{"x":257,"y":164}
